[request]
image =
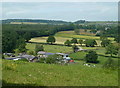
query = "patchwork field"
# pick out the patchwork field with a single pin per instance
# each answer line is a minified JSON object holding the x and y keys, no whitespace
{"x":38,"y":74}
{"x":71,"y":34}
{"x":62,"y":36}
{"x":59,"y":40}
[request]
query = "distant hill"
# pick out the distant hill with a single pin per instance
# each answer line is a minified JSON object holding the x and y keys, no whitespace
{"x":34,"y":21}
{"x":79,"y":21}
{"x":53,"y":22}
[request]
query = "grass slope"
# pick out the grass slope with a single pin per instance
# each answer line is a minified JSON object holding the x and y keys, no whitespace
{"x":25,"y":73}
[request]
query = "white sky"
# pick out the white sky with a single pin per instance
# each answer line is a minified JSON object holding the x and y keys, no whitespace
{"x":65,"y":10}
{"x":59,"y":0}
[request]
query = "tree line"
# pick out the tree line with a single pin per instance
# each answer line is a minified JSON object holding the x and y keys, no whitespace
{"x":14,"y":36}
{"x":13,"y":33}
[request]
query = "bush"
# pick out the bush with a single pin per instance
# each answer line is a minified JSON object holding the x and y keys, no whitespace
{"x":110,"y":64}
{"x":51,"y":39}
{"x":52,"y":59}
{"x":67,"y":42}
{"x":75,"y":48}
{"x":90,"y":42}
{"x":91,"y":57}
{"x":42,"y":60}
{"x":38,"y":48}
{"x":31,"y":52}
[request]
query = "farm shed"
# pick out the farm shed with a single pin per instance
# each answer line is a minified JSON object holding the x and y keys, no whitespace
{"x":44,"y":54}
{"x":10,"y":58}
{"x":30,"y":58}
{"x":9,"y":54}
{"x":62,"y":54}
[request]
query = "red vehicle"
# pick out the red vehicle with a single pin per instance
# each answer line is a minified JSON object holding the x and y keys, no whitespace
{"x":71,"y":61}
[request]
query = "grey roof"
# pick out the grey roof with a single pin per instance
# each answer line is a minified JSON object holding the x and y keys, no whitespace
{"x":45,"y":53}
{"x":10,"y":58}
{"x":61,"y":54}
{"x":41,"y":52}
{"x":8,"y":53}
{"x":49,"y":53}
{"x":30,"y":57}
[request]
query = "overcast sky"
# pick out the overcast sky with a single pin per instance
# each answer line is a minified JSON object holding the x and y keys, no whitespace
{"x":67,"y":11}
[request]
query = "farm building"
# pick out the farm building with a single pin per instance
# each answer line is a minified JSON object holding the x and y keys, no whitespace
{"x":11,"y":58}
{"x":44,"y":54}
{"x":9,"y":54}
{"x":30,"y":58}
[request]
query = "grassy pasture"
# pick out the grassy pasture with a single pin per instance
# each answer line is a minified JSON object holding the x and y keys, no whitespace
{"x":38,"y":74}
{"x":82,"y":32}
{"x":51,"y":48}
{"x":70,"y":34}
{"x":59,"y":40}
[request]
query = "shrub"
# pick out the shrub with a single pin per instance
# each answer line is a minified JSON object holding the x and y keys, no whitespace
{"x":75,"y":48}
{"x":91,"y":57}
{"x":67,"y":42}
{"x":38,"y":48}
{"x":90,"y":42}
{"x":74,"y":40}
{"x":105,"y":42}
{"x":51,"y":40}
{"x":42,"y":60}
{"x":52,"y":59}
{"x":31,"y":52}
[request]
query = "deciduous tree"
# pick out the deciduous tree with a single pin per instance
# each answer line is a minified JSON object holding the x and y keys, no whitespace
{"x":112,"y":50}
{"x":91,"y":57}
{"x":67,"y":42}
{"x":74,"y":40}
{"x":51,"y":39}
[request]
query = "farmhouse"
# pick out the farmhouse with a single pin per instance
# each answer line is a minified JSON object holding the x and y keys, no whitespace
{"x":9,"y":54}
{"x":62,"y":54}
{"x":44,"y":54}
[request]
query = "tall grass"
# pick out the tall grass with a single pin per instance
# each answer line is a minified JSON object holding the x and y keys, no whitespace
{"x":56,"y":75}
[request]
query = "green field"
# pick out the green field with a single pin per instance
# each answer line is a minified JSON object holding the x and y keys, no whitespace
{"x":51,"y":48}
{"x":38,"y":74}
{"x":62,"y":36}
{"x":41,"y":74}
{"x":76,"y":56}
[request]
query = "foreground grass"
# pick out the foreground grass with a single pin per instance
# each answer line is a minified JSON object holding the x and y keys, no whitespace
{"x":39,"y":74}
